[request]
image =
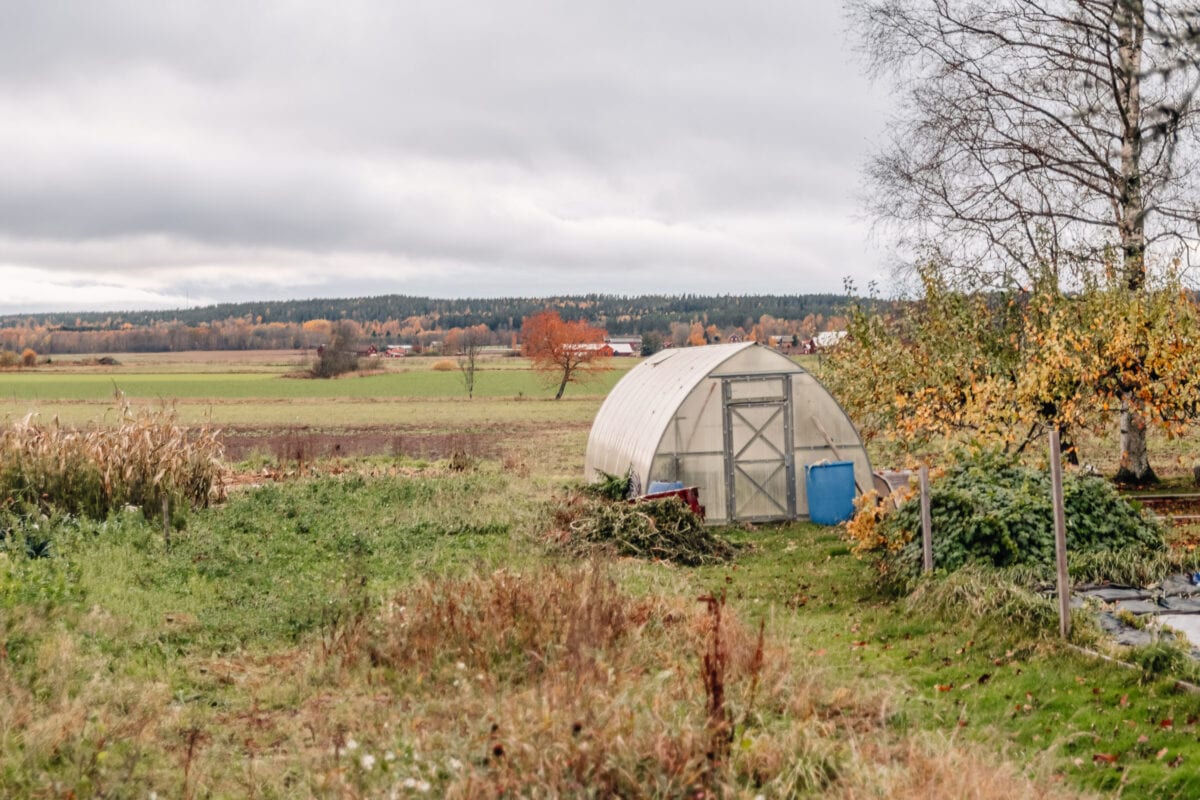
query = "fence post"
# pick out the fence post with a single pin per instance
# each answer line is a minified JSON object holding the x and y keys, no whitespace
{"x":1060,"y":536}
{"x":926,"y":522}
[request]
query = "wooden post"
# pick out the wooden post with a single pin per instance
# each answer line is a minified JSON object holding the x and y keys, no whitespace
{"x":166,"y":512}
{"x":926,"y":521}
{"x":1060,"y":536}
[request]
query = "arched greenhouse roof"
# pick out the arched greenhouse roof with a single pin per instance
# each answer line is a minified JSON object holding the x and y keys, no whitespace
{"x":637,"y":412}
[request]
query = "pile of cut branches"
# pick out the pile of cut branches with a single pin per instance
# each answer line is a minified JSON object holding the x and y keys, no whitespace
{"x":665,"y":530}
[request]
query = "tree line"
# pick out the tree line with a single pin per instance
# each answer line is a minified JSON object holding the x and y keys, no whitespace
{"x":423,"y":322}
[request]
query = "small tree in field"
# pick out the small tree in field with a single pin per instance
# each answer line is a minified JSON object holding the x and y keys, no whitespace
{"x":339,"y":356}
{"x":466,"y":344}
{"x":563,"y":351}
{"x":29,"y":357}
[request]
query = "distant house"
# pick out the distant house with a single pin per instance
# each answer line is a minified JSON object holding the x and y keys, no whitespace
{"x":623,"y":349}
{"x":783,"y":342}
{"x":824,"y":340}
{"x":634,"y":345}
{"x":362,"y":352}
{"x":603,"y":348}
{"x":397,"y":350}
{"x":827,"y":339}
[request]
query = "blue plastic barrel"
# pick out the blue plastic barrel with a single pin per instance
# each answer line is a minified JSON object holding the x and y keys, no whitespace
{"x":657,"y":487}
{"x":830,"y":491}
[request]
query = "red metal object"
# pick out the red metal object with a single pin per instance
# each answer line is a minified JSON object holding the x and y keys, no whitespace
{"x":690,"y":495}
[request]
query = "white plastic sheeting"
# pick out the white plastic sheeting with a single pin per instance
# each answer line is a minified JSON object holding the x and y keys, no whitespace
{"x":738,"y":420}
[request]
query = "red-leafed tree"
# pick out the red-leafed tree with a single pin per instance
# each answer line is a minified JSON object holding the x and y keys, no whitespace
{"x":563,"y":351}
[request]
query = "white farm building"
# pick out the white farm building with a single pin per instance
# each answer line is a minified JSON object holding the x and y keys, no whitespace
{"x":740,"y":421}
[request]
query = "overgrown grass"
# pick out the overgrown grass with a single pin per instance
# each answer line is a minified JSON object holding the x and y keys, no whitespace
{"x":973,"y":658}
{"x":147,"y":458}
{"x":352,"y":636}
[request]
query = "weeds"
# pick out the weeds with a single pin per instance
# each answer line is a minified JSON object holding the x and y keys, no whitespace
{"x":148,"y":456}
{"x":556,"y":682}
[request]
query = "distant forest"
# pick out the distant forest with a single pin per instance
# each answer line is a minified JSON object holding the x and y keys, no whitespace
{"x":420,"y":321}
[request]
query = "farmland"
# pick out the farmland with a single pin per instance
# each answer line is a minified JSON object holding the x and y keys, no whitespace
{"x":395,"y":624}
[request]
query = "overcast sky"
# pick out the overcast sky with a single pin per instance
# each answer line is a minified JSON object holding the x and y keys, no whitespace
{"x":162,"y":154}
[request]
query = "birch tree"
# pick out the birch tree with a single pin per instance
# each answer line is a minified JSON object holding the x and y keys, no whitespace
{"x":1038,"y":139}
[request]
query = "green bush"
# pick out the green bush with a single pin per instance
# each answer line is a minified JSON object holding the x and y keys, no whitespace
{"x":989,"y":510}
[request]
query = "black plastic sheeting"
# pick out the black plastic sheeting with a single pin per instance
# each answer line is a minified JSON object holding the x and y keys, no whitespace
{"x":1175,"y":595}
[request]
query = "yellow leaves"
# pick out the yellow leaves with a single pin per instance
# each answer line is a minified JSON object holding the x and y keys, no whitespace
{"x":958,"y":362}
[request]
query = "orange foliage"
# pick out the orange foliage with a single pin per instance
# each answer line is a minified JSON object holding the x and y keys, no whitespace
{"x":563,"y":351}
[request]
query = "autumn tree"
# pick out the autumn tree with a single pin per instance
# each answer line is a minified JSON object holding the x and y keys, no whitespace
{"x":562,"y":351}
{"x":1002,"y":368}
{"x":1039,"y":137}
{"x":466,"y":345}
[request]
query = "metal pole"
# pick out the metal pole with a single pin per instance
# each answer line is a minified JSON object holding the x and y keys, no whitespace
{"x":926,"y":521}
{"x":1060,"y":536}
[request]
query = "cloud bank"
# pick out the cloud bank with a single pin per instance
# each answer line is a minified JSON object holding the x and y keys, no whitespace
{"x":159,"y":154}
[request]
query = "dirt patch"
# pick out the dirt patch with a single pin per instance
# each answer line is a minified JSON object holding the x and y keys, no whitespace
{"x":306,"y":444}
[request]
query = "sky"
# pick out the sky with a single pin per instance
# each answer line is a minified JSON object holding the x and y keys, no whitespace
{"x":172,"y":154}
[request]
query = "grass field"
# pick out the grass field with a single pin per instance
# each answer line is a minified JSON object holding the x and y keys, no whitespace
{"x":387,"y":626}
{"x":32,"y":387}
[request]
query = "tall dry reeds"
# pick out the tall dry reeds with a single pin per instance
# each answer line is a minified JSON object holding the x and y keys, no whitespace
{"x":145,"y":458}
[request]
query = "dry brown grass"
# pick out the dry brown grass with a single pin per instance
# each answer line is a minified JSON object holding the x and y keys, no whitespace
{"x":96,"y":470}
{"x":60,"y":705}
{"x":941,"y":768}
{"x":555,"y":683}
{"x":552,"y":682}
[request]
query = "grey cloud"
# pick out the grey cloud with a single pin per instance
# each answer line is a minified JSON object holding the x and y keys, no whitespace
{"x":556,"y":143}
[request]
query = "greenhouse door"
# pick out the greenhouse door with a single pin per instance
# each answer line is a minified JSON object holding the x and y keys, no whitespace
{"x":760,"y":473}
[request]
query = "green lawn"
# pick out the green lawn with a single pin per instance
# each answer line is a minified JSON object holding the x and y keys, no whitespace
{"x":50,"y":387}
{"x":507,"y":392}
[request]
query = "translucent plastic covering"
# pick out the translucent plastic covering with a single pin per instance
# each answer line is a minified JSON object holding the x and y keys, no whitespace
{"x":738,"y":420}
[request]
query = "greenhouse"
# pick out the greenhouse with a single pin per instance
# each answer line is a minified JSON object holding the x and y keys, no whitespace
{"x":739,"y":421}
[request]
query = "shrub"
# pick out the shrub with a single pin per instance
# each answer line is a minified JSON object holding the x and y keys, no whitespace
{"x":444,"y":365}
{"x":340,"y":355}
{"x":988,"y":509}
{"x":8,"y":358}
{"x":29,"y":357}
